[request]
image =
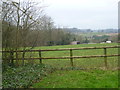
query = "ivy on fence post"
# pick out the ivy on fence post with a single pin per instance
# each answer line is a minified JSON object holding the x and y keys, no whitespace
{"x":40,"y":55}
{"x":11,"y":55}
{"x":23,"y":56}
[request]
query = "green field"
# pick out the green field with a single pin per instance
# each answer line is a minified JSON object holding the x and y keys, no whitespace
{"x":58,"y":73}
{"x":81,"y":62}
{"x":79,"y":79}
{"x":99,"y":78}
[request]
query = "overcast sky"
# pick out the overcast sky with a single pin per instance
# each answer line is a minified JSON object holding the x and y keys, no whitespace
{"x":83,"y":14}
{"x":93,"y":14}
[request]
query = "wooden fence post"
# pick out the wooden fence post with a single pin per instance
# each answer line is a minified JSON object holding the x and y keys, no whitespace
{"x":11,"y":55}
{"x":40,"y":55}
{"x":23,"y":56}
{"x":71,"y":59}
{"x":105,"y":58}
{"x":17,"y":62}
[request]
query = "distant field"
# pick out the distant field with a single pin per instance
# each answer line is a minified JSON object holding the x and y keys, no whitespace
{"x":90,"y":34}
{"x":82,"y":62}
{"x":93,"y":33}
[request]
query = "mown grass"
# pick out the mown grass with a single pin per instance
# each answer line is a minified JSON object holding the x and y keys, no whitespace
{"x":80,"y":79}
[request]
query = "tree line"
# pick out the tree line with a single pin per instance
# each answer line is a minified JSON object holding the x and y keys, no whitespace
{"x":25,"y":24}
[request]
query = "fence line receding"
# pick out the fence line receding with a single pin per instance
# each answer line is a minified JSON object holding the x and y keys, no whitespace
{"x":71,"y":57}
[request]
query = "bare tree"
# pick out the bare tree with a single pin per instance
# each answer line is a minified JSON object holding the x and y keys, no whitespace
{"x":24,"y":17}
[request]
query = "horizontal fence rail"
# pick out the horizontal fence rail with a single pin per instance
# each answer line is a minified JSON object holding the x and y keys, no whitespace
{"x":63,"y":49}
{"x":71,"y":57}
{"x":67,"y":57}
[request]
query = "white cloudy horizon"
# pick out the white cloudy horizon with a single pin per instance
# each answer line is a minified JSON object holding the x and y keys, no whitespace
{"x":83,"y":14}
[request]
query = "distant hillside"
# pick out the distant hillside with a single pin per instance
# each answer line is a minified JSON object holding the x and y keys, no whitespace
{"x":76,"y":30}
{"x":109,"y":30}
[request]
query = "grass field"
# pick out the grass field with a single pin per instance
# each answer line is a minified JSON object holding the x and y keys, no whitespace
{"x":98,"y":78}
{"x":82,"y":75}
{"x":79,"y":79}
{"x":82,"y":62}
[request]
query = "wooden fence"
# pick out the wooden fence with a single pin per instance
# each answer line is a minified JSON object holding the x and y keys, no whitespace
{"x":71,"y":57}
